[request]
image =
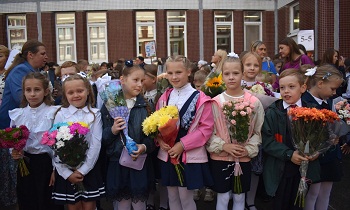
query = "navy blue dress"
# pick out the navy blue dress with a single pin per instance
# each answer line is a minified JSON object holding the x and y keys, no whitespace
{"x":196,"y":175}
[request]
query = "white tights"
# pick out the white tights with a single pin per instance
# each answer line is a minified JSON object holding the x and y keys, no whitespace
{"x":180,"y":198}
{"x":126,"y":205}
{"x":318,"y":196}
{"x":224,"y":198}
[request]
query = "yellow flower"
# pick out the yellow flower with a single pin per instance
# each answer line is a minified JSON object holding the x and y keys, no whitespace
{"x":214,"y":82}
{"x":163,"y":120}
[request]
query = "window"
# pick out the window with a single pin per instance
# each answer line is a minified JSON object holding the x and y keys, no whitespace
{"x":145,"y":30}
{"x":223,"y":31}
{"x":294,"y":17}
{"x":65,"y":32}
{"x":177,"y":44}
{"x":97,"y":39}
{"x":16,"y":30}
{"x":252,"y":28}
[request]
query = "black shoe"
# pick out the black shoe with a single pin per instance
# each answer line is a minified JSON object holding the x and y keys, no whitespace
{"x":150,"y":207}
{"x":161,"y":208}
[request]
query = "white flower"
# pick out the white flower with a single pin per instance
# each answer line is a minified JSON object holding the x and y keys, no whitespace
{"x":258,"y":89}
{"x":233,"y":55}
{"x":213,"y":65}
{"x":64,"y":133}
{"x":348,"y":122}
{"x":59,"y":144}
{"x":341,"y":116}
{"x":310,"y":72}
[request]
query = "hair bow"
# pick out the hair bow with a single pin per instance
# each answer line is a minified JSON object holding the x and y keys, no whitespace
{"x":233,"y":55}
{"x":129,"y":63}
{"x":310,"y":72}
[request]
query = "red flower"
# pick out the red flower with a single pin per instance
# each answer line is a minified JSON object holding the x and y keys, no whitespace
{"x":7,"y":130}
{"x":278,"y":137}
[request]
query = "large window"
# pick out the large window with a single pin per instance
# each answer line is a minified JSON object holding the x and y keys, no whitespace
{"x":252,"y":28}
{"x":65,"y":33}
{"x":223,"y":31}
{"x":145,"y":30}
{"x":177,"y":33}
{"x":16,"y":30}
{"x":294,"y":17}
{"x":97,"y":37}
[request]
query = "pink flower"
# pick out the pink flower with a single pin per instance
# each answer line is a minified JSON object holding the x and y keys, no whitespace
{"x":51,"y":142}
{"x":16,"y":135}
{"x":45,"y":138}
{"x":252,"y":106}
{"x":234,"y":113}
{"x":249,"y":110}
{"x":77,"y":127}
{"x":233,"y":122}
{"x":241,"y":107}
{"x":243,"y":113}
{"x":337,"y":107}
{"x":53,"y":134}
{"x":229,"y":104}
{"x":8,"y":129}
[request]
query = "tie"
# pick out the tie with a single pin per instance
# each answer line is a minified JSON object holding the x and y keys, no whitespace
{"x":293,"y":106}
{"x":325,"y":105}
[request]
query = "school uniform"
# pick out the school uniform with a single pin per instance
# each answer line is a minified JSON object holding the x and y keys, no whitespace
{"x":64,"y":191}
{"x":196,"y":127}
{"x":33,"y":190}
{"x":281,"y":175}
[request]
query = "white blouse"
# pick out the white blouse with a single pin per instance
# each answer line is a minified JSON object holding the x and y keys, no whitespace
{"x":38,"y":120}
{"x":179,"y":96}
{"x":73,"y":114}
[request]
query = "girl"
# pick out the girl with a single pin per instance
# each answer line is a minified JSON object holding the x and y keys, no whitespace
{"x":151,"y":94}
{"x":128,"y":186}
{"x":196,"y":127}
{"x":222,"y":151}
{"x":289,"y":50}
{"x":251,"y":68}
{"x":322,"y":86}
{"x":77,"y":100}
{"x":217,"y":59}
{"x":34,"y":191}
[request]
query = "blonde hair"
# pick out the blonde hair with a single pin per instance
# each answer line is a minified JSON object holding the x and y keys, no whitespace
{"x":325,"y":73}
{"x":293,"y":72}
{"x":232,"y":60}
{"x":4,"y":50}
{"x":254,"y":54}
{"x":200,"y":75}
{"x":223,"y":55}
{"x":180,"y":58}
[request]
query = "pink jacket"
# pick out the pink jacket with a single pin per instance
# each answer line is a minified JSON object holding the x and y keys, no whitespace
{"x":221,"y":135}
{"x":198,"y":134}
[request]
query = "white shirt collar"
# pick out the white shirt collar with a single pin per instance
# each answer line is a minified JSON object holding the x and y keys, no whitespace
{"x":150,"y":93}
{"x":37,"y":109}
{"x":318,"y":100}
{"x":286,"y":105}
{"x":130,"y":102}
{"x":184,"y":88}
{"x":72,"y":109}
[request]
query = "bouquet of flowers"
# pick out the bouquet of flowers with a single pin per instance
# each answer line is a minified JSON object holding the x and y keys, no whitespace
{"x":262,"y":88}
{"x":67,"y":139}
{"x":237,"y":114}
{"x":16,"y":137}
{"x":165,"y":122}
{"x":311,"y":136}
{"x":343,"y":109}
{"x":213,"y":85}
{"x":113,"y":98}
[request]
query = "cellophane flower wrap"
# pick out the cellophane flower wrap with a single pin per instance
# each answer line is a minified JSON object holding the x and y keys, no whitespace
{"x":68,"y":141}
{"x":262,"y":88}
{"x":112,"y":95}
{"x":237,"y":114}
{"x":16,"y":137}
{"x":311,"y":136}
{"x":165,"y":123}
{"x":213,"y":85}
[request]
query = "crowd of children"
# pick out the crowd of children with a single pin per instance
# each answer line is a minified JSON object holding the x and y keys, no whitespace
{"x":204,"y":147}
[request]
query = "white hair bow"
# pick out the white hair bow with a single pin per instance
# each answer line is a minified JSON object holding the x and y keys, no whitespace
{"x":82,"y":74}
{"x":310,"y":72}
{"x":233,"y":55}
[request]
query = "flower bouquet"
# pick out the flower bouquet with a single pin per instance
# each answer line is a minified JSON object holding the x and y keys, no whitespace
{"x":343,"y":110}
{"x":311,"y":136}
{"x":113,"y":98}
{"x":213,"y":85}
{"x":237,"y":114}
{"x":16,"y":137}
{"x":262,"y":88}
{"x":67,"y":139}
{"x":165,"y":123}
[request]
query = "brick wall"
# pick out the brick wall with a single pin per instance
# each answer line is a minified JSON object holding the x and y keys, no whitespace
{"x":238,"y":26}
{"x":81,"y":35}
{"x":121,"y":29}
{"x":344,"y":28}
{"x":307,"y":14}
{"x":192,"y":34}
{"x":3,"y":34}
{"x":268,"y":31}
{"x":208,"y":34}
{"x":161,"y":30}
{"x":326,"y":26}
{"x":32,"y":30}
{"x":283,"y":23}
{"x":49,"y":35}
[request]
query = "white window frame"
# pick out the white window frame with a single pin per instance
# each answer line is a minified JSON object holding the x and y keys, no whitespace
{"x":95,"y":25}
{"x":140,"y":24}
{"x":10,"y":27}
{"x":223,"y":23}
{"x":292,"y":32}
{"x":252,"y":24}
{"x":65,"y":26}
{"x":169,"y":24}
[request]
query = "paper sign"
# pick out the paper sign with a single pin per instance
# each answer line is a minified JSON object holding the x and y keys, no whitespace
{"x":150,"y":49}
{"x":306,"y":38}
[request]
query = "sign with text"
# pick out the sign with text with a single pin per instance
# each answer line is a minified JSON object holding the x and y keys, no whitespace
{"x":306,"y":38}
{"x":150,"y":48}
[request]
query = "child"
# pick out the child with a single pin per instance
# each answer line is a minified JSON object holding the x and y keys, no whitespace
{"x":281,"y":166}
{"x":251,"y":68}
{"x":77,"y":102}
{"x":222,"y":151}
{"x":199,"y":79}
{"x":34,"y":191}
{"x":151,"y":94}
{"x":196,"y":127}
{"x":322,"y":86}
{"x":128,"y":186}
